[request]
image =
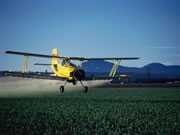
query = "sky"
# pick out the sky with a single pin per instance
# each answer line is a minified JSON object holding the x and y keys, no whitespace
{"x":148,"y":29}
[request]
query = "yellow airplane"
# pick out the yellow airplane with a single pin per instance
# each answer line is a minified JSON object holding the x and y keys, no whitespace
{"x":67,"y":70}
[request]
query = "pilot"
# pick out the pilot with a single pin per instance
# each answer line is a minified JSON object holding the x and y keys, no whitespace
{"x":65,"y":62}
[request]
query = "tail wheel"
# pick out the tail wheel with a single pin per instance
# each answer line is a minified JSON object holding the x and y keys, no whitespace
{"x":61,"y":88}
{"x":85,"y":89}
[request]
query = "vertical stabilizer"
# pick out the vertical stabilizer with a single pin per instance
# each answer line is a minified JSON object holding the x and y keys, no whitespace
{"x":54,"y":61}
{"x":58,"y":69}
{"x":54,"y":52}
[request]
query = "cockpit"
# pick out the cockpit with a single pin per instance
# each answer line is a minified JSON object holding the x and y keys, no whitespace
{"x":67,"y":62}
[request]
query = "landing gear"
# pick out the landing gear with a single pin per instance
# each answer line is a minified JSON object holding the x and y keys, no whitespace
{"x":85,"y":89}
{"x":74,"y":82}
{"x":61,"y":88}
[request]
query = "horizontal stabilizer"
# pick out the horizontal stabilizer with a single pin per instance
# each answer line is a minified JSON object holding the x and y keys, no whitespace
{"x":42,"y":64}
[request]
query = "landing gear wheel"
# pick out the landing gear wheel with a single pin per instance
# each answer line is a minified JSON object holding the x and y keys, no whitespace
{"x":85,"y":89}
{"x":74,"y":82}
{"x":61,"y":88}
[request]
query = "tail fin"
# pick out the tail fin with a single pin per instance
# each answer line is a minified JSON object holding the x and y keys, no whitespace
{"x":54,"y":52}
{"x":54,"y":61}
{"x":58,"y":69}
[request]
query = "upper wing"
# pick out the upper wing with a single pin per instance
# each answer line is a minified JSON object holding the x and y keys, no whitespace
{"x":72,"y":58}
{"x":32,"y":54}
{"x":112,"y":58}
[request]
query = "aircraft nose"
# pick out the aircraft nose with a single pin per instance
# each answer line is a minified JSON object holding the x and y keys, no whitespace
{"x":79,"y":74}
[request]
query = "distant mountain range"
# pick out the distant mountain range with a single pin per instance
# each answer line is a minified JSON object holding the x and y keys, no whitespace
{"x":153,"y":71}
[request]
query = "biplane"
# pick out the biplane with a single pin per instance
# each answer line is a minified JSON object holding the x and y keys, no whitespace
{"x":66,"y":70}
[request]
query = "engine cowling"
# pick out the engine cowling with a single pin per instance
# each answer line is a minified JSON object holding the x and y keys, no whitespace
{"x":79,"y":74}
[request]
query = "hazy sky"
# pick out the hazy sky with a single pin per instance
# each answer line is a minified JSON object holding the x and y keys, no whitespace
{"x":148,"y":29}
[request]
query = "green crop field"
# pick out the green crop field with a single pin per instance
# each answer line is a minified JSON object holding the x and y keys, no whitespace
{"x":104,"y":111}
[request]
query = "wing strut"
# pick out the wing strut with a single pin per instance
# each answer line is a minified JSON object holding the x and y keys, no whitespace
{"x":25,"y":64}
{"x":114,"y":68}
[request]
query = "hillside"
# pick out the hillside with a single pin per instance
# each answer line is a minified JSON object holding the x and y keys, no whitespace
{"x":153,"y":71}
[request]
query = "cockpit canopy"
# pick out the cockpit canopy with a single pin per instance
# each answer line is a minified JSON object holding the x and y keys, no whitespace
{"x":67,"y":62}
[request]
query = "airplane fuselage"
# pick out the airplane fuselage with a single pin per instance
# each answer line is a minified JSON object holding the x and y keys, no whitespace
{"x":66,"y":69}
